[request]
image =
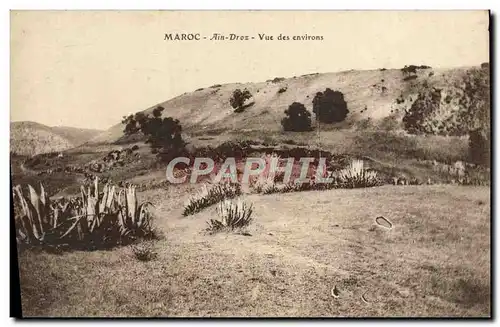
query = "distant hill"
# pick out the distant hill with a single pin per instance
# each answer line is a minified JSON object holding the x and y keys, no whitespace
{"x":370,"y":94}
{"x":76,"y":135}
{"x":29,"y":138}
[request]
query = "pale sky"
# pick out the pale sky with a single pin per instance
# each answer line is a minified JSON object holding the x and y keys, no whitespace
{"x":89,"y":68}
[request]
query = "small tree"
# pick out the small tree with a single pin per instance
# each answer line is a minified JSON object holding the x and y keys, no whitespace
{"x":330,"y":106}
{"x":163,"y":134}
{"x":238,"y":99}
{"x":480,"y":147}
{"x":477,"y":99}
{"x":133,"y":123}
{"x":297,"y":119}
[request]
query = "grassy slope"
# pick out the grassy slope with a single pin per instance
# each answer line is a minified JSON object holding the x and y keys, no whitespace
{"x":209,"y":109}
{"x":435,"y":262}
{"x":208,"y":119}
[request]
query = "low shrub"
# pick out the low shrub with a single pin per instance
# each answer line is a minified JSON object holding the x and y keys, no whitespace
{"x":409,"y":78}
{"x":209,"y":196}
{"x":356,"y":176}
{"x":233,"y":216}
{"x":144,"y":251}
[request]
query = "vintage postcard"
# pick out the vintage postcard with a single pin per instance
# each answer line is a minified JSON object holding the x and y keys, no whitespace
{"x":251,"y":163}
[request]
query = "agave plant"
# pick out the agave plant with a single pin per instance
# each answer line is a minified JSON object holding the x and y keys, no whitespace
{"x":263,"y":185}
{"x":93,"y":213}
{"x":233,"y":215}
{"x":208,"y":196}
{"x":33,"y":220}
{"x":133,"y":218}
{"x":356,"y":176}
{"x":94,"y":219}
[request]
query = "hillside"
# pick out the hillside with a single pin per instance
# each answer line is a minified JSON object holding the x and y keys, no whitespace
{"x":29,"y":138}
{"x":76,"y":135}
{"x":371,"y":94}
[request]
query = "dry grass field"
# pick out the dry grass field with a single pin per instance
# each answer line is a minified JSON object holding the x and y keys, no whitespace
{"x":434,"y":262}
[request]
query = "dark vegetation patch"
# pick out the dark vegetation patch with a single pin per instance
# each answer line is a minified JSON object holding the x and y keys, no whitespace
{"x":282,"y":90}
{"x":238,"y":100}
{"x":330,"y":106}
{"x":410,"y":78}
{"x":412,"y":69}
{"x":163,"y":134}
{"x":297,"y":119}
{"x":276,"y":80}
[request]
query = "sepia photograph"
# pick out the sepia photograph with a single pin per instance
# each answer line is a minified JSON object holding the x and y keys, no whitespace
{"x":250,"y":164}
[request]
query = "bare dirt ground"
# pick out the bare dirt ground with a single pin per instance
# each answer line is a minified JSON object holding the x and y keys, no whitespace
{"x":435,"y":262}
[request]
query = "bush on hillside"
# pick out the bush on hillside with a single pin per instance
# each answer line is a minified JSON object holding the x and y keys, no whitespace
{"x":329,"y":106}
{"x":163,"y":134}
{"x":412,"y":69}
{"x":277,"y":79}
{"x":238,"y":99}
{"x":297,"y":119}
{"x":480,"y":147}
{"x":410,"y":78}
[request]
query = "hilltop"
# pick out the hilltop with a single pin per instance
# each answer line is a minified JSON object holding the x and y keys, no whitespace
{"x":30,"y":138}
{"x":371,"y":95}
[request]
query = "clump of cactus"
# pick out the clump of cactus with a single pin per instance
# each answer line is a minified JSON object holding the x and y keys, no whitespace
{"x":209,"y":196}
{"x":233,"y":216}
{"x":100,"y":217}
{"x":357,"y":176}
